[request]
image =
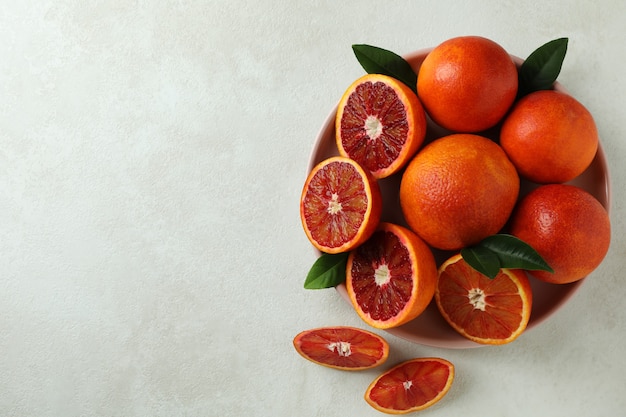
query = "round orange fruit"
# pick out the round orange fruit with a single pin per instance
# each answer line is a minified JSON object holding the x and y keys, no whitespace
{"x":458,"y":190}
{"x":487,"y":311}
{"x":550,"y":137}
{"x":390,"y":279}
{"x":411,"y":386}
{"x":340,"y":206}
{"x":567,"y":226}
{"x":467,"y":84}
{"x":342,"y":347}
{"x":380,"y":123}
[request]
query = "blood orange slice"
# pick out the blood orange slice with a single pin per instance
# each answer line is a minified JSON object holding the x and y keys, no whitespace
{"x":488,"y":311}
{"x":340,"y":205}
{"x":380,"y":123}
{"x":391,"y":278}
{"x":342,"y":347}
{"x":411,"y":386}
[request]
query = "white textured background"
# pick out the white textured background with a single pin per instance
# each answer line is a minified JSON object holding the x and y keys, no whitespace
{"x":152,"y":154}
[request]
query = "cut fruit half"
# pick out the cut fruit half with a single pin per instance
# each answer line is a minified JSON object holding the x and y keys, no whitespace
{"x":411,"y":386}
{"x":342,"y":347}
{"x":488,"y":311}
{"x":340,"y":205}
{"x":391,"y":278}
{"x":380,"y":123}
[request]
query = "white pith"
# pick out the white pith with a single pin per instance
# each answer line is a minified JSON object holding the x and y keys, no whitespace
{"x":373,"y":127}
{"x":342,"y":348}
{"x":334,"y":206}
{"x":382,"y":275}
{"x":476,"y":298}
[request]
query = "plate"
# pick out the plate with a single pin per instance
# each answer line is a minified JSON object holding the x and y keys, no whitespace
{"x":430,"y":328}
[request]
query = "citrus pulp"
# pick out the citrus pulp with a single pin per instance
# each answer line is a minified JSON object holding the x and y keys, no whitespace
{"x":340,"y":206}
{"x":342,"y":347}
{"x":488,"y":311}
{"x":411,"y":386}
{"x":390,"y":279}
{"x":380,"y":123}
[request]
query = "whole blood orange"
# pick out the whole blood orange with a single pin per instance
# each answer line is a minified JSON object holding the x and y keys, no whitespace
{"x":411,"y":386}
{"x":467,"y":84}
{"x":380,"y":123}
{"x":340,"y":205}
{"x":567,"y":226}
{"x":550,"y":137}
{"x":458,"y":190}
{"x":391,"y":278}
{"x":488,"y":311}
{"x":342,"y":347}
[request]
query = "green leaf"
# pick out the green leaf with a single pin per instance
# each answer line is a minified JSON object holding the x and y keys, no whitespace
{"x":503,"y":251}
{"x":542,"y":67}
{"x":514,"y":253}
{"x":375,"y":60}
{"x":327,"y":271}
{"x":482,"y":259}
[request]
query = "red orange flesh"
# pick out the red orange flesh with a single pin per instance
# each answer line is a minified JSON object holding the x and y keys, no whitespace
{"x":488,"y":311}
{"x":340,"y":206}
{"x":342,"y":347}
{"x":411,"y":386}
{"x":391,"y":278}
{"x":380,"y":123}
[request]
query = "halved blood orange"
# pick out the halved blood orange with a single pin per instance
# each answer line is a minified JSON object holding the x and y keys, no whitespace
{"x":380,"y":123}
{"x":340,"y":205}
{"x":342,"y":347}
{"x":488,"y":311}
{"x":411,"y":386}
{"x":391,"y":278}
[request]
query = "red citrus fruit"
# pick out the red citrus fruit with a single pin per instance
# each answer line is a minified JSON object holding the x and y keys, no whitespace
{"x":340,"y":206}
{"x":467,"y":84}
{"x":342,"y":347}
{"x":380,"y":124}
{"x":391,"y":278}
{"x":458,"y":190}
{"x":550,"y":137}
{"x":411,"y":386}
{"x":567,"y":226}
{"x":488,"y":311}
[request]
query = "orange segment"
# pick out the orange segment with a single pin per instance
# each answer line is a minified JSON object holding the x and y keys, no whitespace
{"x":380,"y":124}
{"x":342,"y":347}
{"x":391,"y":278}
{"x":411,"y":386}
{"x":488,"y":311}
{"x":340,"y":205}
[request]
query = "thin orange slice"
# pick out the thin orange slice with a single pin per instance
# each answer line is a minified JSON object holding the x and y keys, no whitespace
{"x":342,"y":347}
{"x":380,"y":123}
{"x":411,"y":386}
{"x":340,"y":205}
{"x":391,"y":278}
{"x":488,"y":311}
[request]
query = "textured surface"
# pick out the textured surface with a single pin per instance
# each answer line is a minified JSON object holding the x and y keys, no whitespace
{"x":152,"y":154}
